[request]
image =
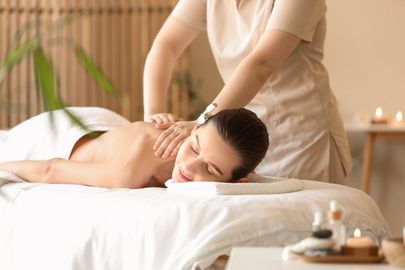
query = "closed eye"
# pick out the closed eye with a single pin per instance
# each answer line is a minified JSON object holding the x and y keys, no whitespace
{"x":208,"y":170}
{"x":195,"y":151}
{"x":208,"y":164}
{"x":207,"y":167}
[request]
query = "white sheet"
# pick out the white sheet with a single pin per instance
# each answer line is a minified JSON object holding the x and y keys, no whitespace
{"x":7,"y":177}
{"x":44,"y":226}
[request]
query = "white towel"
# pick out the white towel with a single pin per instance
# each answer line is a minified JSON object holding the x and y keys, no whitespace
{"x":37,"y":139}
{"x":262,"y":185}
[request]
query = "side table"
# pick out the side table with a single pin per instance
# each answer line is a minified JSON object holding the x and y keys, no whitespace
{"x":258,"y":258}
{"x":374,"y":132}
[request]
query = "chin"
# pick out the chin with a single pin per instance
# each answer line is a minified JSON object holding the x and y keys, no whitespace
{"x":174,"y":178}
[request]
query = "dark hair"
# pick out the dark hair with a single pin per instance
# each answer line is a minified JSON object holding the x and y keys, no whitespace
{"x":245,"y":133}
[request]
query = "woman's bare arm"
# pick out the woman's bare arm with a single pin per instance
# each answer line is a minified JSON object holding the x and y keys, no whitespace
{"x":30,"y":170}
{"x":63,"y":172}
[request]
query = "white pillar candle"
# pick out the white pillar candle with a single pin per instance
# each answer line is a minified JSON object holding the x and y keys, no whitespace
{"x":403,"y":235}
{"x":357,"y":241}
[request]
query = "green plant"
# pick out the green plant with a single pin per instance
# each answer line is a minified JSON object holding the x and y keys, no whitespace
{"x":45,"y":75}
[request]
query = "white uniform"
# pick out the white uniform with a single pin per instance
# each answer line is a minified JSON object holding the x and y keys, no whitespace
{"x":307,"y":138}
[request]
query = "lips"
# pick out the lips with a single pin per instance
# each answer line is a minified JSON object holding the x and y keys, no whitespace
{"x":183,"y":177}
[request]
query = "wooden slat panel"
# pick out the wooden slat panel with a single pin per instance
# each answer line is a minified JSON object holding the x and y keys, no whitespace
{"x":90,"y":46}
{"x":25,"y":79}
{"x":36,"y":103}
{"x":77,"y":74}
{"x":15,"y":75}
{"x":117,"y":34}
{"x":136,"y":60}
{"x":3,"y":49}
{"x":124,"y":68}
{"x":7,"y":83}
{"x":66,"y":60}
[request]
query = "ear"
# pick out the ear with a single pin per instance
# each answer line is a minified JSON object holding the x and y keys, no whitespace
{"x":243,"y":180}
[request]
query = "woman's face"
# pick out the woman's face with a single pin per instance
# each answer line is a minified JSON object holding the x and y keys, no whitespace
{"x":205,"y":156}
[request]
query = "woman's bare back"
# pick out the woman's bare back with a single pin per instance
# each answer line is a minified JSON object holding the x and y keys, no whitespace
{"x":128,"y":151}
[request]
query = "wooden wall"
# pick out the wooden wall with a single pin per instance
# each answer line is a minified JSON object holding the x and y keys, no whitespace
{"x":116,"y":33}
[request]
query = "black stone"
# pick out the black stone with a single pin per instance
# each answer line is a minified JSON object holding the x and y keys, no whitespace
{"x":322,"y":234}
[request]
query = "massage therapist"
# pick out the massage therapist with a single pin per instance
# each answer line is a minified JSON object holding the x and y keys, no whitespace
{"x":269,"y":54}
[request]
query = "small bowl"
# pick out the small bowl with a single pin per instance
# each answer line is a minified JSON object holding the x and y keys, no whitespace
{"x":394,"y":251}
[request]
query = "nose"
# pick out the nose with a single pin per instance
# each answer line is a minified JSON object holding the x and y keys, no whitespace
{"x":192,"y":166}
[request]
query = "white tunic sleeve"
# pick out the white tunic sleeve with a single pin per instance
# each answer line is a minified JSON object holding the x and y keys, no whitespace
{"x":298,"y":17}
{"x":192,"y":13}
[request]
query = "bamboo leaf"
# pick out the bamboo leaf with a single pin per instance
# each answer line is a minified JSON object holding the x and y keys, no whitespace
{"x":16,"y":54}
{"x":34,"y":25}
{"x":95,"y":72}
{"x":19,"y":51}
{"x":62,"y":22}
{"x":46,"y":80}
{"x":21,"y":31}
{"x":75,"y":119}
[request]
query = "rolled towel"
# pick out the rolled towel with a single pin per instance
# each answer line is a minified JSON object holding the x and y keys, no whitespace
{"x":272,"y":186}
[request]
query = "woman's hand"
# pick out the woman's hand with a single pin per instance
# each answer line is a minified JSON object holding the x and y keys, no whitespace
{"x":170,"y":140}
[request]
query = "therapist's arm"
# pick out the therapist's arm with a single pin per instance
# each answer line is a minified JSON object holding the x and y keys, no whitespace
{"x":171,"y":41}
{"x":249,"y":77}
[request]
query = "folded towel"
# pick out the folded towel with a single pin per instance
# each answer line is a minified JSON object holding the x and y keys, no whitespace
{"x":262,"y":185}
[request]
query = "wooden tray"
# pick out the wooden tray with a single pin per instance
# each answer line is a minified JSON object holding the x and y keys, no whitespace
{"x":339,"y":258}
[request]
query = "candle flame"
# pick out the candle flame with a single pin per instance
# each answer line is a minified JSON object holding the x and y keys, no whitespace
{"x":379,"y":112}
{"x":357,"y":232}
{"x":399,"y":117}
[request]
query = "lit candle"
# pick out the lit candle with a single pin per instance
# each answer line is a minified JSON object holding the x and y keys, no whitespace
{"x":399,"y":117}
{"x":378,"y":117}
{"x":359,"y":246}
{"x":398,"y":120}
{"x":378,"y":113}
{"x":357,"y":241}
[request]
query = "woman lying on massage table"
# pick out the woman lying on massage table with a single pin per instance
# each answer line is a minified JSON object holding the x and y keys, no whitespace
{"x":227,"y":147}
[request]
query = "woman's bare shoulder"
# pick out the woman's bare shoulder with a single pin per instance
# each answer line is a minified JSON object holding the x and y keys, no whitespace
{"x":135,"y":137}
{"x":145,"y":129}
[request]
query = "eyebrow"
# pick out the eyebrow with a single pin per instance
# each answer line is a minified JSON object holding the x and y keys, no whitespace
{"x":210,"y":163}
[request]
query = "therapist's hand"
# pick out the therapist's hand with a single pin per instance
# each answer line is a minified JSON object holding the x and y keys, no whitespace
{"x":161,"y":118}
{"x":171,"y":139}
